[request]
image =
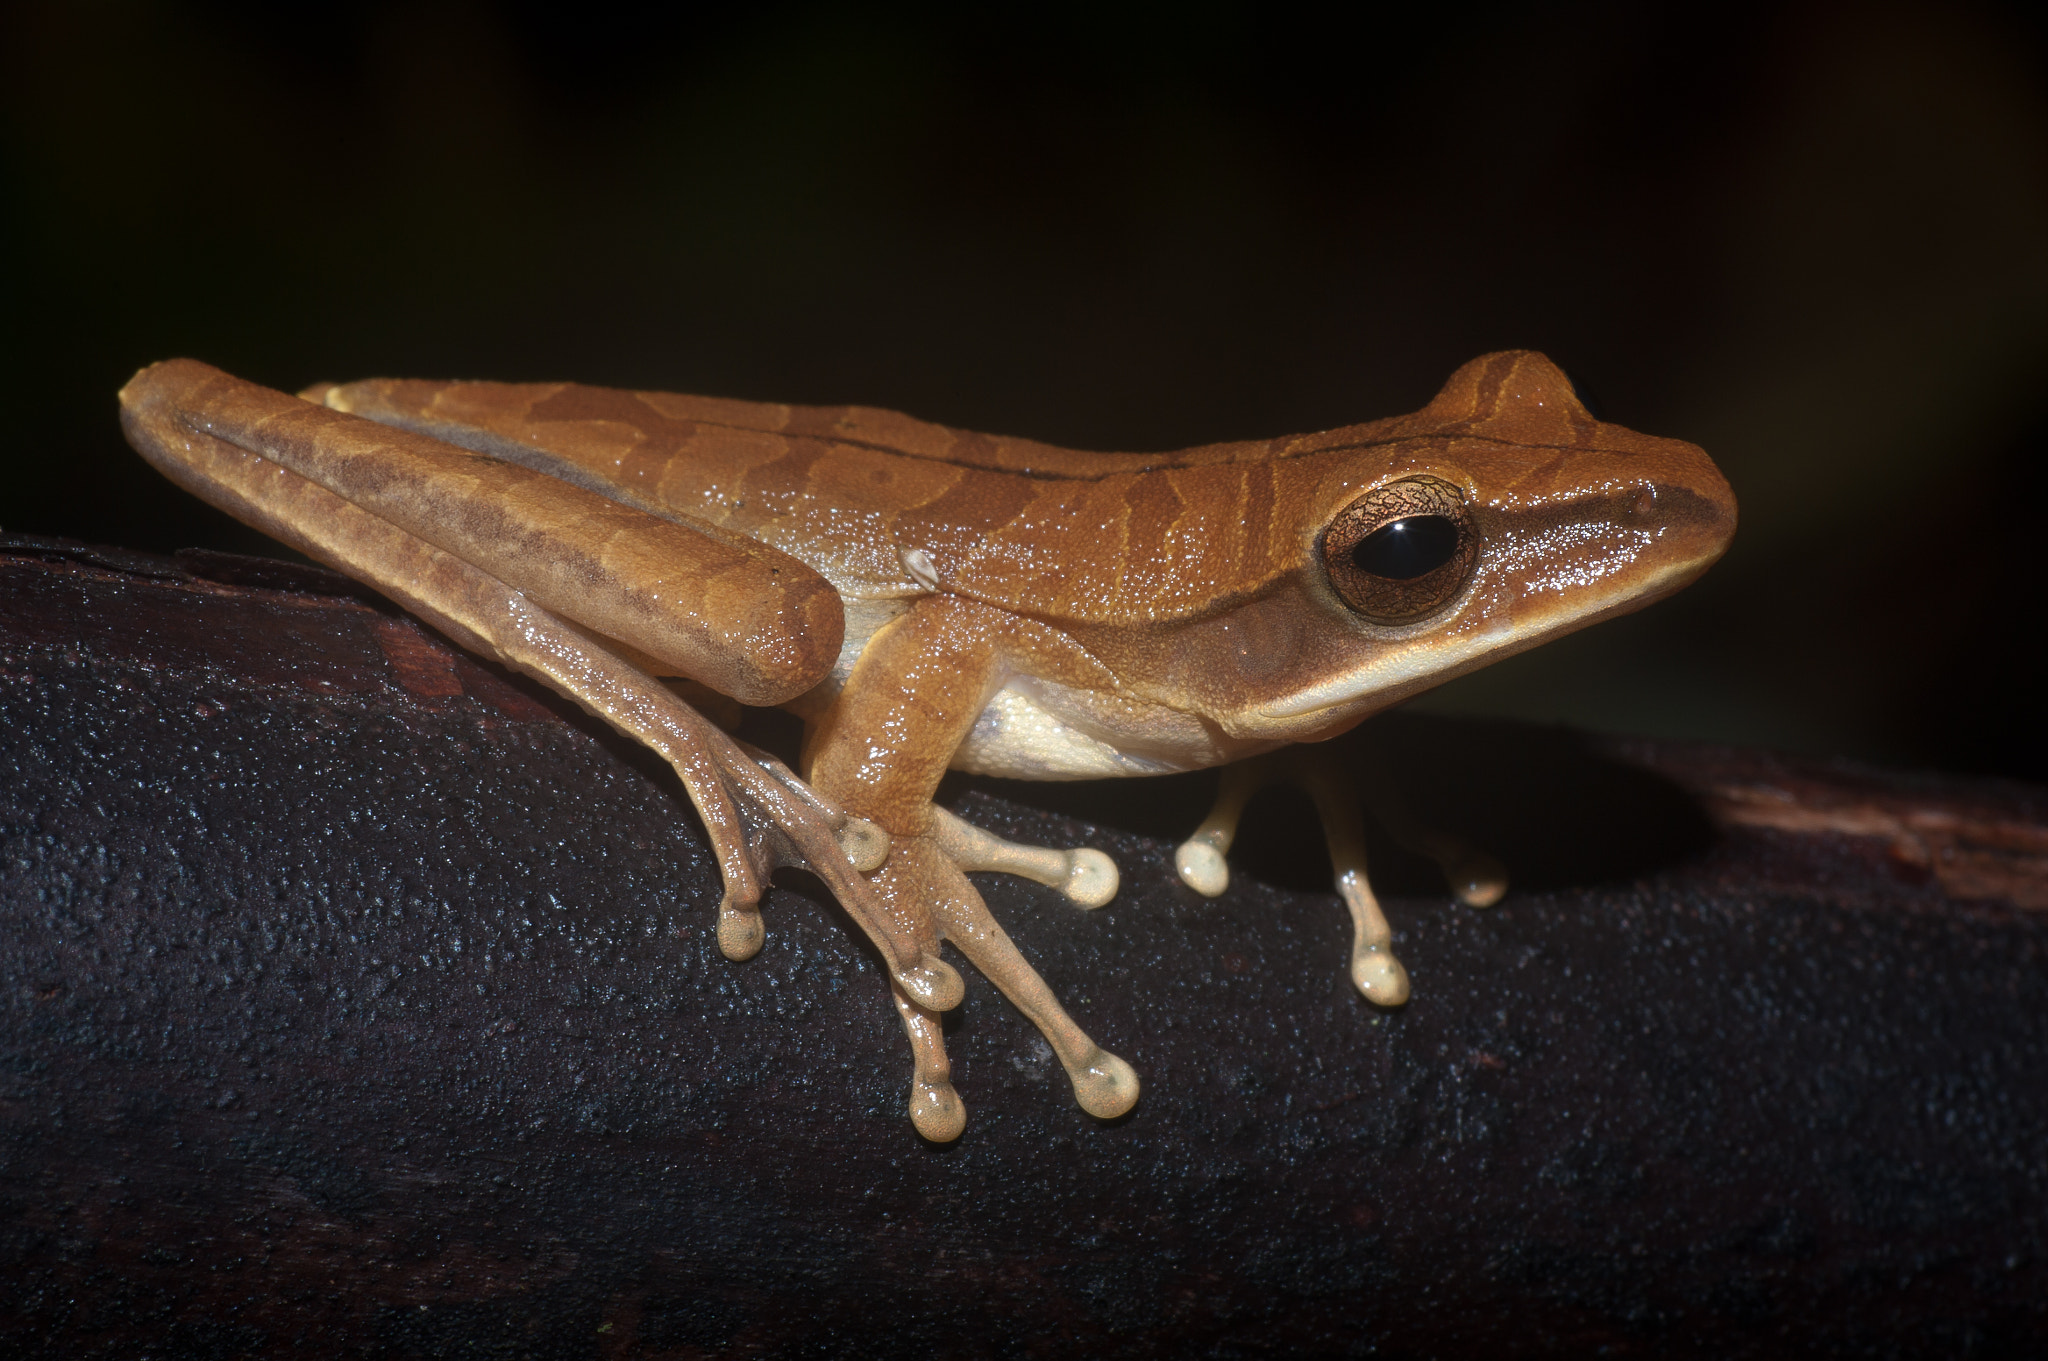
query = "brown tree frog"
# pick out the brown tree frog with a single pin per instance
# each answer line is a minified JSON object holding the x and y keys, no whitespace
{"x":927,"y":598}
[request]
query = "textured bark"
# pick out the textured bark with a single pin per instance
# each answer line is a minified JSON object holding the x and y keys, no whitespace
{"x":361,"y":1000}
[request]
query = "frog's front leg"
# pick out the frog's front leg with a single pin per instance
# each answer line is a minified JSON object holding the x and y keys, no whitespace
{"x":1476,"y":878}
{"x":879,"y":751}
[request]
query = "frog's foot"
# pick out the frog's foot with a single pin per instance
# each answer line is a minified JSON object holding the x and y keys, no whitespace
{"x":747,"y":856}
{"x":757,"y":813}
{"x":1086,"y":876}
{"x":1104,"y":1085}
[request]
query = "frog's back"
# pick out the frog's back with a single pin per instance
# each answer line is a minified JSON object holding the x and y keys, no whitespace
{"x":883,"y":504}
{"x":847,"y":489}
{"x":685,"y":439}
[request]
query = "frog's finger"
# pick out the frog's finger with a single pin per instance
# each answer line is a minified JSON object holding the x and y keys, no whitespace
{"x":1086,"y":876}
{"x":1104,"y":1085}
{"x":1375,"y":971}
{"x":1200,"y":859}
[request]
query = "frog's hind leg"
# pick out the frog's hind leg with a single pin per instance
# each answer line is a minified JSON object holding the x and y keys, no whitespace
{"x":217,"y":435}
{"x":1086,"y":876}
{"x":1104,"y":1085}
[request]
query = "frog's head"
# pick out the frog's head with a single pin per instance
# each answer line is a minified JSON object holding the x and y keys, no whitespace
{"x":1497,"y":517}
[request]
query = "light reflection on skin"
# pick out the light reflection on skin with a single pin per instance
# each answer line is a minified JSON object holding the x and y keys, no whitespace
{"x":1569,"y":556}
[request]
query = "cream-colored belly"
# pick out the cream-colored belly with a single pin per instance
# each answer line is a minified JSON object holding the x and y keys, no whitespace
{"x":1033,"y":729}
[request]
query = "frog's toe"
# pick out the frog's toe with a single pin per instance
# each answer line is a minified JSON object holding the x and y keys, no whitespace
{"x":1476,"y":878}
{"x":1086,"y":876}
{"x":935,"y":1108}
{"x":1201,"y":867}
{"x":936,"y":1111}
{"x":740,"y":932}
{"x":1104,"y":1084}
{"x":1377,"y":974}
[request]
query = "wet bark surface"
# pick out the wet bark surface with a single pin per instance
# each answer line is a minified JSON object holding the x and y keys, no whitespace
{"x":361,"y":1000}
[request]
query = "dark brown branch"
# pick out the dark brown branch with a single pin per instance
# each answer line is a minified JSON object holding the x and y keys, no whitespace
{"x":362,"y":1001}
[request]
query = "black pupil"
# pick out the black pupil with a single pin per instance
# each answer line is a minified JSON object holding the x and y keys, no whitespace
{"x":1408,"y":548}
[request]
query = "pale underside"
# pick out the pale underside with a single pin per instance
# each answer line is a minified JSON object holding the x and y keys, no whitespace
{"x":1033,"y":729}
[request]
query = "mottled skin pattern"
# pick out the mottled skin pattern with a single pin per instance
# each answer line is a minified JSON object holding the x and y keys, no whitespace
{"x":1009,"y":607}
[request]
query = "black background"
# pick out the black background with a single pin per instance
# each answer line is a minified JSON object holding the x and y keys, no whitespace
{"x":1811,"y":237}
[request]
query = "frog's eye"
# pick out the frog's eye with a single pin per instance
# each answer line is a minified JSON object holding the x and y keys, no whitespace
{"x":1401,"y":550}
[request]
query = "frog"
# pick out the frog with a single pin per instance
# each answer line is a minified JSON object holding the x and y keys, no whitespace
{"x":927,"y":599}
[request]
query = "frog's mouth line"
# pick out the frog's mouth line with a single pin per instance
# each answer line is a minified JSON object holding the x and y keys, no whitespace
{"x":1416,"y":669}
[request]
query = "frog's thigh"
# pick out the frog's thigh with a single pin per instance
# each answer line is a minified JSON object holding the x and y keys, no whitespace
{"x":673,"y":589}
{"x":1085,"y":875}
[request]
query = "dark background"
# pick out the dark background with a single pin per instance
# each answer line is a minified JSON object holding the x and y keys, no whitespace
{"x":1811,"y":237}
